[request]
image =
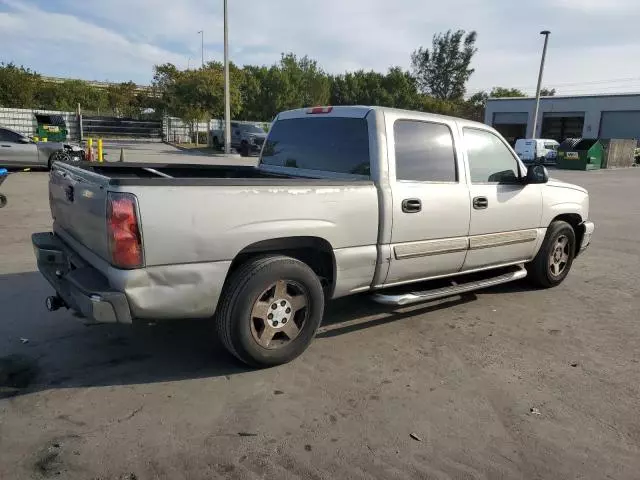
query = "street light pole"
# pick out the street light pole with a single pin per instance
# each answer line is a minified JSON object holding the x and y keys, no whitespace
{"x":546,"y":34}
{"x":227,"y":93}
{"x":201,"y":32}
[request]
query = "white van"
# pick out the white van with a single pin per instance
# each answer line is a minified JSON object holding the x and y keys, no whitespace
{"x":537,"y":150}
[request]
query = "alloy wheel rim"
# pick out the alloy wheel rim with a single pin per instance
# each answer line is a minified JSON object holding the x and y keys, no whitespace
{"x":279,"y":314}
{"x":559,"y":256}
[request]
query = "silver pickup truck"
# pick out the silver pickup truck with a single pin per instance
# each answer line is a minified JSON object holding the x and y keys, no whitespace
{"x":344,"y":200}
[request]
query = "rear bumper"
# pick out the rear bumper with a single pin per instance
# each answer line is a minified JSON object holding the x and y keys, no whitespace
{"x":589,"y":228}
{"x":83,"y":288}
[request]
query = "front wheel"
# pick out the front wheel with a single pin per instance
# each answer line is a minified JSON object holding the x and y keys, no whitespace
{"x":552,"y":263}
{"x":244,"y":149}
{"x":270,"y":310}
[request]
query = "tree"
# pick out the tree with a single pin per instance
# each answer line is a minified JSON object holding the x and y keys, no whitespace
{"x":68,"y":94}
{"x":395,"y":89}
{"x":443,"y":71}
{"x":123,"y":99}
{"x":255,"y":97}
{"x":548,"y":92}
{"x":478,"y":101}
{"x":296,"y":83}
{"x":18,"y":86}
{"x":502,"y":92}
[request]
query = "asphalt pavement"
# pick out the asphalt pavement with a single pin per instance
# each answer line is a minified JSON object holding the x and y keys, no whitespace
{"x":506,"y":383}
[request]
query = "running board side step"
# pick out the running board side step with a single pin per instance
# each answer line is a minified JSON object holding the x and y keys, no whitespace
{"x":455,"y":289}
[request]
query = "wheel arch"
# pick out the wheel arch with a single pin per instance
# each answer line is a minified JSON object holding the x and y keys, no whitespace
{"x":316,"y":252}
{"x":575,"y":220}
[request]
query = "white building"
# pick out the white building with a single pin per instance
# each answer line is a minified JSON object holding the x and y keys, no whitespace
{"x":586,"y":116}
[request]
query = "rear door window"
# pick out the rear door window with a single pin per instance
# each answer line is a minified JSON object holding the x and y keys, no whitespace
{"x":424,"y":152}
{"x":328,"y":144}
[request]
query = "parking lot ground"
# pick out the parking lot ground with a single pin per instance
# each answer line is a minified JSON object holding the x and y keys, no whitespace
{"x":507,"y":383}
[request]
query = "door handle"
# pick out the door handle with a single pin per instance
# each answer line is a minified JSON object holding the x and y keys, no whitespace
{"x":480,"y":203}
{"x":411,"y":205}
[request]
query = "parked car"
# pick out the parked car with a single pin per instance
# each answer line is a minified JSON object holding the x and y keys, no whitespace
{"x":345,"y":200}
{"x":246,"y":138}
{"x":537,"y":150}
{"x":18,"y":150}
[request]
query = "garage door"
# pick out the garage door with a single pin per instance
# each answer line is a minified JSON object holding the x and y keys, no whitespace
{"x":510,"y":118}
{"x":620,"y":124}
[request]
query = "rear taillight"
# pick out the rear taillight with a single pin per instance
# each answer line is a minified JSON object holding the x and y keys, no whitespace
{"x":125,"y":241}
{"x":319,"y":110}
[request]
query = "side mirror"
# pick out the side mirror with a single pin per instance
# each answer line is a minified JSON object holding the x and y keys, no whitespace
{"x":537,"y":174}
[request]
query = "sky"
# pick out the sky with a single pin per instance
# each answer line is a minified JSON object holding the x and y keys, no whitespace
{"x":594,"y":46}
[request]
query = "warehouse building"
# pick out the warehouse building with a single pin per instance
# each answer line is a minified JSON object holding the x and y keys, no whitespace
{"x":586,"y":116}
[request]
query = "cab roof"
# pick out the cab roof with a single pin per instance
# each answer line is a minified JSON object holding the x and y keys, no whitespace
{"x":361,"y":111}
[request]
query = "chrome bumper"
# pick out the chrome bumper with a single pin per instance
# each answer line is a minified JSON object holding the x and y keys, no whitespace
{"x":82,"y":288}
{"x":589,"y":227}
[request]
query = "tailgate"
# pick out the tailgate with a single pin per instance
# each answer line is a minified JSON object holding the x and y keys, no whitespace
{"x":78,"y":200}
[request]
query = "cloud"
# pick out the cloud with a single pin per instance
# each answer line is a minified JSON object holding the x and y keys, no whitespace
{"x":68,"y":46}
{"x":606,"y":7}
{"x":123,"y":39}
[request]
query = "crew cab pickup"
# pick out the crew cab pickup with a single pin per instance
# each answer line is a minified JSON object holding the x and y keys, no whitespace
{"x":246,"y":138}
{"x":405,"y":205}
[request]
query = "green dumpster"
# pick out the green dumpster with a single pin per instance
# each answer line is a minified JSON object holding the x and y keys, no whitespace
{"x":51,"y":127}
{"x":580,"y":154}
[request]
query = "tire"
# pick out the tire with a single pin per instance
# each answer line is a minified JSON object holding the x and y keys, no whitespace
{"x":548,"y":269}
{"x":244,"y":149}
{"x":3,"y":201}
{"x":255,"y":292}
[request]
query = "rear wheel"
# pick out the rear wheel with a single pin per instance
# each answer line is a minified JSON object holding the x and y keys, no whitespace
{"x":552,"y":263}
{"x":270,"y":310}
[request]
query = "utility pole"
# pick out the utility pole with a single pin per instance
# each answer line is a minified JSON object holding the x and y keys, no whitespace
{"x":201,"y":32}
{"x":546,"y":34}
{"x":227,"y":93}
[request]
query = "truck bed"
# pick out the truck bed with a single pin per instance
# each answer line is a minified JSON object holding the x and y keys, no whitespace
{"x":147,"y":174}
{"x":208,"y":213}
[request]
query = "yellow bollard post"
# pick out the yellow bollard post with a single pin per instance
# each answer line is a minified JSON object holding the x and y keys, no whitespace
{"x":44,"y":139}
{"x":36,"y":139}
{"x":90,"y":149}
{"x":100,"y":159}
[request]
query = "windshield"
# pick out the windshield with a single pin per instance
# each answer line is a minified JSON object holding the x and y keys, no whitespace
{"x":253,"y":129}
{"x":330,"y":144}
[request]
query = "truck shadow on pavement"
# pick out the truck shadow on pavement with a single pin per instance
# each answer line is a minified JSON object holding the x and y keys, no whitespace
{"x":40,"y":350}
